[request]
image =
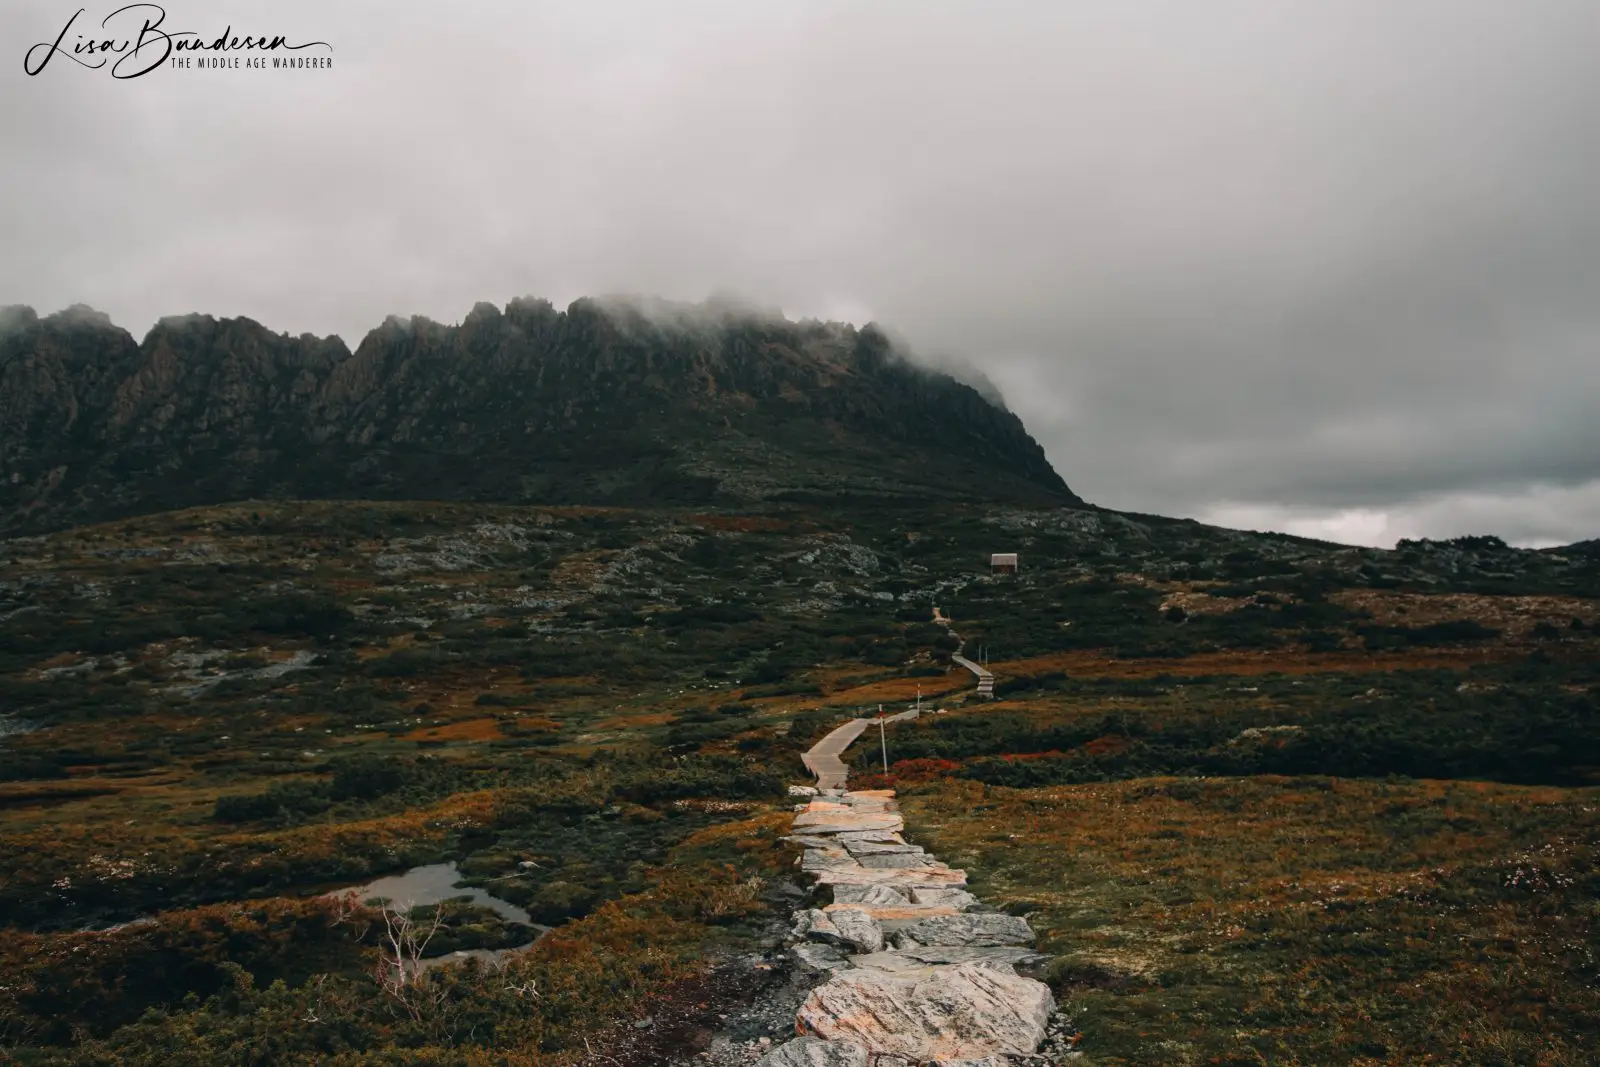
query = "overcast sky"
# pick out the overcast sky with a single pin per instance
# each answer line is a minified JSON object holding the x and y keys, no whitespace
{"x":1328,"y":268}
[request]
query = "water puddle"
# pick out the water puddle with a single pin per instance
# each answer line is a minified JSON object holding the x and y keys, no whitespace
{"x":432,"y":884}
{"x":436,"y":882}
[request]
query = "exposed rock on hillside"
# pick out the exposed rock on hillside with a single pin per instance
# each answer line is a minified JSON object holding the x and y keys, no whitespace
{"x":599,"y":404}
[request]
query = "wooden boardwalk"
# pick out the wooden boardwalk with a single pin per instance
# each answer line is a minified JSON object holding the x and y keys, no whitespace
{"x":985,"y":679}
{"x":823,"y":758}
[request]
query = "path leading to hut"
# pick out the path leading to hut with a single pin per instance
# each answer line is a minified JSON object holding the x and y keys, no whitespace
{"x":910,"y":967}
{"x":825,"y":757}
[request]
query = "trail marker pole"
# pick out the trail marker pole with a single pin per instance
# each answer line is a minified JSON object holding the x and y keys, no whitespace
{"x":883,"y":739}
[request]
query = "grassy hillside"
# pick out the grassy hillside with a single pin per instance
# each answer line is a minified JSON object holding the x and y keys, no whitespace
{"x":220,"y":714}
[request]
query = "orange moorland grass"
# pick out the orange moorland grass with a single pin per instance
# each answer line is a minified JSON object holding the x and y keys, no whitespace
{"x":1103,"y":663}
{"x":755,"y":838}
{"x":483,"y":729}
{"x":889,"y":691}
{"x":74,"y":853}
{"x":637,"y":720}
{"x":1297,"y":920}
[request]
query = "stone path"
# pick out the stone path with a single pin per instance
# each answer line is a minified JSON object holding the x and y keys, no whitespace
{"x":913,"y":969}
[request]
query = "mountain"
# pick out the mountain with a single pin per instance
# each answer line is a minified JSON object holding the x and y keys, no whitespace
{"x":622,"y":402}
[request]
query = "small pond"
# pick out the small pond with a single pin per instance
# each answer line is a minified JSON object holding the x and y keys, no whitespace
{"x":436,"y":882}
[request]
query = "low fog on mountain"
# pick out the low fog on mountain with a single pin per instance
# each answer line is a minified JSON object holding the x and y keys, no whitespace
{"x":1332,"y":271}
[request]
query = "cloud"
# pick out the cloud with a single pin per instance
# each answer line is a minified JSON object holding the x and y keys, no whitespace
{"x":1536,"y":516}
{"x":1339,"y":262}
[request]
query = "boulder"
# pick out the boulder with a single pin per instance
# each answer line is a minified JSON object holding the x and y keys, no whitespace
{"x":968,"y":929}
{"x":848,"y":928}
{"x":857,"y":929}
{"x":965,"y":1012}
{"x":810,"y":957}
{"x":813,"y":924}
{"x":814,"y":1052}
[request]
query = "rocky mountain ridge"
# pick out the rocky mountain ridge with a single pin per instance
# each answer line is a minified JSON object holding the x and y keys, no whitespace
{"x":607,"y":402}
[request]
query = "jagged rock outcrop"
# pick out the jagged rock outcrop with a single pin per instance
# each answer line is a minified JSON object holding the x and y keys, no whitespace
{"x":604,"y":403}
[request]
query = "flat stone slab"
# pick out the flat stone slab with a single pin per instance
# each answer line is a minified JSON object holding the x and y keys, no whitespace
{"x":838,"y":822}
{"x":941,"y":896}
{"x":971,"y":929}
{"x":911,"y":965}
{"x":810,"y":841}
{"x":935,"y":955}
{"x":822,"y":859}
{"x":814,"y":1052}
{"x":966,"y":1012}
{"x":872,"y":896}
{"x":884,"y":861}
{"x":872,"y":805}
{"x":897,"y":912}
{"x":928,"y":876}
{"x":879,"y":848}
{"x":858,"y":837}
